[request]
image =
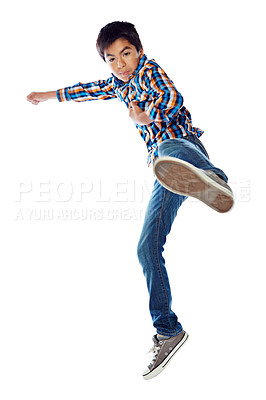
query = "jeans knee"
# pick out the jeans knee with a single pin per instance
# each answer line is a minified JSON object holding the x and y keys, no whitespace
{"x":163,"y":148}
{"x":143,"y":250}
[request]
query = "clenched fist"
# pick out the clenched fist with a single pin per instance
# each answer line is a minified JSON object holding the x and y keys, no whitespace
{"x":37,"y":97}
{"x":138,"y":116}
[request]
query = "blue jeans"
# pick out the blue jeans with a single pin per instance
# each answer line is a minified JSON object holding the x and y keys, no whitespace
{"x":160,"y":214}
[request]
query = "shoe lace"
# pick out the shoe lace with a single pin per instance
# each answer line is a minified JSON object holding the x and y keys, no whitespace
{"x":153,"y":352}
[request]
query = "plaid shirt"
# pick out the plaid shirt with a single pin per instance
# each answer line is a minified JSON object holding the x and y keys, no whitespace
{"x":154,"y":93}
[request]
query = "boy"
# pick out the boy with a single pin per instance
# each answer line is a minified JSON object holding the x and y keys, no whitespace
{"x":180,"y":161}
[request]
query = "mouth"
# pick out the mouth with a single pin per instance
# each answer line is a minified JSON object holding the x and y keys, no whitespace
{"x":125,"y":73}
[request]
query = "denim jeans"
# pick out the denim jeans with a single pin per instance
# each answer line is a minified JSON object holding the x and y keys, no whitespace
{"x":160,"y":214}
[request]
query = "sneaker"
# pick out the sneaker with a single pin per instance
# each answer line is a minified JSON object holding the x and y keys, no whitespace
{"x":183,"y":178}
{"x":162,"y":352}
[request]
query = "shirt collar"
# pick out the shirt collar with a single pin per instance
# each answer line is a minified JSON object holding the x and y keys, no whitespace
{"x":141,"y":63}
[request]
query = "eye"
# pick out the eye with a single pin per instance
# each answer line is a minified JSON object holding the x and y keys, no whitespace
{"x":110,"y":60}
{"x":127,"y":53}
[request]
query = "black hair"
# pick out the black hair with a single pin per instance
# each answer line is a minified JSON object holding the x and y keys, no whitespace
{"x":116,"y":30}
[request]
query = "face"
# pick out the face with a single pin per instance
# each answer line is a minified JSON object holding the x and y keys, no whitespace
{"x":123,"y":58}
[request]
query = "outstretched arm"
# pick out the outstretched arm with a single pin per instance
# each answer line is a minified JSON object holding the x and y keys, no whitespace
{"x":37,"y":97}
{"x":102,"y":89}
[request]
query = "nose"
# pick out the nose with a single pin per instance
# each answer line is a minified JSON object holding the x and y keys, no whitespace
{"x":120,"y":62}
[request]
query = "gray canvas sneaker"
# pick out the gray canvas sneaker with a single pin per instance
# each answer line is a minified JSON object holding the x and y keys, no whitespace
{"x":183,"y":178}
{"x":162,"y":352}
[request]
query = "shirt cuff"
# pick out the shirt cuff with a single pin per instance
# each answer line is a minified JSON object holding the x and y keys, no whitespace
{"x":63,"y":95}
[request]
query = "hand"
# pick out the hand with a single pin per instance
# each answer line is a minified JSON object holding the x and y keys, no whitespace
{"x":36,"y":97}
{"x":138,"y":116}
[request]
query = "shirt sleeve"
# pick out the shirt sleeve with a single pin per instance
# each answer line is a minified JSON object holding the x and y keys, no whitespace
{"x":166,"y":99}
{"x":98,"y":90}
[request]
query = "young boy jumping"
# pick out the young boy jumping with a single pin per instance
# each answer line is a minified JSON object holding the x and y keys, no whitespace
{"x":180,"y":162}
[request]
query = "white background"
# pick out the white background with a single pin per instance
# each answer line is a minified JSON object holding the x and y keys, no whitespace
{"x":74,"y":304}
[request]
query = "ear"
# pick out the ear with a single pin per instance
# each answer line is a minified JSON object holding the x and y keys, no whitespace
{"x":141,"y":52}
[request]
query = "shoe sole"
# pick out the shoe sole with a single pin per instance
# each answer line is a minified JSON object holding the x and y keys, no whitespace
{"x":166,"y":361}
{"x":183,"y":178}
